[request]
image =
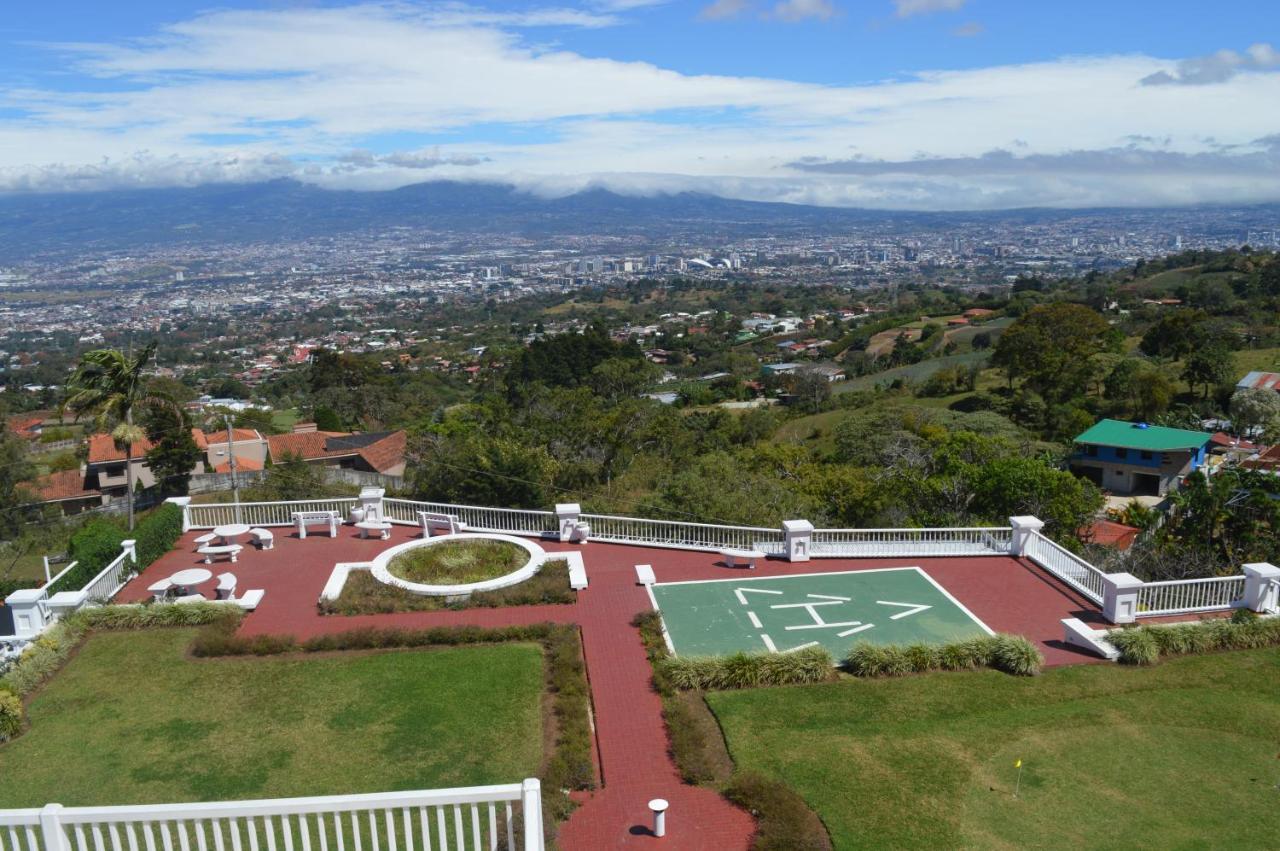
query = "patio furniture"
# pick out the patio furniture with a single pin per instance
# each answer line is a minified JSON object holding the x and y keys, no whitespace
{"x":302,"y":519}
{"x":433,"y":520}
{"x":230,"y":531}
{"x":263,"y":538}
{"x":160,"y":590}
{"x":232,"y":551}
{"x":226,"y":589}
{"x":191,"y":598}
{"x":741,"y":558}
{"x":249,"y":600}
{"x":577,"y":571}
{"x":205,"y":540}
{"x":382,"y":527}
{"x":184,"y":580}
{"x":644,"y":575}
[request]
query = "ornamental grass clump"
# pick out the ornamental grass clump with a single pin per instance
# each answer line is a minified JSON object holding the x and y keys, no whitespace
{"x":747,"y":670}
{"x":1144,"y":645}
{"x":1012,"y":654}
{"x":1137,"y":646}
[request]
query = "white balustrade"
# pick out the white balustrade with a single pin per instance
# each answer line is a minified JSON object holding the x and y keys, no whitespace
{"x":212,"y":515}
{"x":467,"y":819}
{"x":1067,"y":566}
{"x":680,"y":535}
{"x":476,"y":518}
{"x":111,"y":579}
{"x":1189,"y":595}
{"x":873,"y":543}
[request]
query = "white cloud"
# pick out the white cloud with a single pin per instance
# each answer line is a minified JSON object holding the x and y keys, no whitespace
{"x":800,"y":10}
{"x":382,"y":95}
{"x":722,"y":9}
{"x":908,"y":8}
{"x":969,"y":30}
{"x":1216,"y":67}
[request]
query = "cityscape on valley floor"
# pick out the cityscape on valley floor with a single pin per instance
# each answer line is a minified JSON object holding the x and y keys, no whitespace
{"x":749,"y":424}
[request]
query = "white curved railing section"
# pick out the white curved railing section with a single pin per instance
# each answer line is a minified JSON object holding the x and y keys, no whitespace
{"x":862,"y":543}
{"x":511,"y":520}
{"x":1184,"y":596}
{"x":111,"y":579}
{"x":468,"y":819}
{"x":1067,"y":566}
{"x":212,"y":515}
{"x":677,"y":534}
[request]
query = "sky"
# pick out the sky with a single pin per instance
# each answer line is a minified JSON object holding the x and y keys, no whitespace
{"x":890,"y":104}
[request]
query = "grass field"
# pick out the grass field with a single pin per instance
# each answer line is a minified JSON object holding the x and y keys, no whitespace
{"x":131,"y":720}
{"x":1182,"y":755}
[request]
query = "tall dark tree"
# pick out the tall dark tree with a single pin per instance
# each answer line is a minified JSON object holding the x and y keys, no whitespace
{"x":174,"y":453}
{"x":1049,"y":347}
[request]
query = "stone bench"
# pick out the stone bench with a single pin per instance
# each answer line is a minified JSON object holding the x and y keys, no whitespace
{"x":232,"y":551}
{"x":382,"y":527}
{"x":741,"y":558}
{"x":302,"y":519}
{"x":433,"y":520}
{"x":644,"y":575}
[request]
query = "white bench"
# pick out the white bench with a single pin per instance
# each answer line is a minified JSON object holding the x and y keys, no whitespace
{"x":263,"y":538}
{"x":205,"y":540}
{"x":644,"y":575}
{"x":433,"y":520}
{"x":226,"y":589}
{"x":577,"y":570}
{"x":250,"y":599}
{"x":741,"y":558}
{"x":302,"y":518}
{"x":160,"y":590}
{"x":382,"y":527}
{"x":210,"y":553}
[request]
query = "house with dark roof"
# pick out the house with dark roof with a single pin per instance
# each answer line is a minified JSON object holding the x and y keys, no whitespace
{"x":370,"y":452}
{"x":1138,"y":459}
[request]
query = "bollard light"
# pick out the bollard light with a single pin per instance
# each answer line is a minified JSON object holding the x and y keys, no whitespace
{"x":659,"y":807}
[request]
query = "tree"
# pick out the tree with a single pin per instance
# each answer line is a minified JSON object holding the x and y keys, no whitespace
{"x":1210,"y":364}
{"x":15,"y":468}
{"x":173,"y":454}
{"x":111,"y":385}
{"x":1049,"y":349}
{"x":1256,"y":409}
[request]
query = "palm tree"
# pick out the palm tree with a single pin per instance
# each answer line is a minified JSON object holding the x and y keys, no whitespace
{"x":110,"y":385}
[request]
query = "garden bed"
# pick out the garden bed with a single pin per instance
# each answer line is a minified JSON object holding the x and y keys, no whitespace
{"x":362,"y":594}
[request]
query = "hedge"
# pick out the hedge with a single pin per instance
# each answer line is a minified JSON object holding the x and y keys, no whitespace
{"x":784,"y":820}
{"x":1012,"y":654}
{"x":97,"y":544}
{"x":1144,"y":645}
{"x":747,"y":670}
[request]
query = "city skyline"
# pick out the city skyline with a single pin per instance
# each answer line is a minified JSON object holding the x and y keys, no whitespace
{"x":896,"y":104}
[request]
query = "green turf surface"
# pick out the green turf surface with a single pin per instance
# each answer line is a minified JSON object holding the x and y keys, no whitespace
{"x":831,"y":609}
{"x":131,"y":720}
{"x":1182,"y":755}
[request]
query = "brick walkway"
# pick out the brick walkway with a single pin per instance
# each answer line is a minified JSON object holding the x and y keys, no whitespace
{"x":1009,"y":595}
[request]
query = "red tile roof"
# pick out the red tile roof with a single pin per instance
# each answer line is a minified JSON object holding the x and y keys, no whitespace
{"x":380,"y":455}
{"x":1112,"y":534}
{"x":103,"y":449}
{"x":68,"y":484}
{"x":242,"y":465}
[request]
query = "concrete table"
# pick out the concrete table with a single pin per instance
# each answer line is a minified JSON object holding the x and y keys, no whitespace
{"x":230,"y":531}
{"x":186,"y":579}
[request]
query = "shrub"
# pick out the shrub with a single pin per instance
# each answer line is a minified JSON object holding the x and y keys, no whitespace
{"x":746,"y":670}
{"x":157,"y":534}
{"x":1137,"y":646}
{"x":43,"y":657}
{"x":10,"y":715}
{"x":363,"y":594}
{"x":1145,"y":645}
{"x":1012,"y":654}
{"x":122,"y":617}
{"x":93,"y":547}
{"x":784,"y":820}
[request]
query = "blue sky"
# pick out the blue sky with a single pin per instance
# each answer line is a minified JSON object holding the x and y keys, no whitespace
{"x":925,"y":104}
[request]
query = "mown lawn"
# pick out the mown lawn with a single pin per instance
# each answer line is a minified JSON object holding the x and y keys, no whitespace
{"x":131,"y":720}
{"x":1183,"y":755}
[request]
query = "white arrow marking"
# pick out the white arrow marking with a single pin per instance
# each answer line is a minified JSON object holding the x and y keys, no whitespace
{"x":824,"y":625}
{"x":738,"y":592}
{"x":801,"y":647}
{"x":915,"y":608}
{"x":768,"y":642}
{"x":849,"y":632}
{"x":755,"y":621}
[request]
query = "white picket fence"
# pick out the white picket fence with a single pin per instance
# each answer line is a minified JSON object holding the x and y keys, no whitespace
{"x":507,"y":520}
{"x":212,"y":515}
{"x":473,"y":818}
{"x":680,"y":535}
{"x":1184,"y":596}
{"x":872,"y":543}
{"x":1067,"y":566}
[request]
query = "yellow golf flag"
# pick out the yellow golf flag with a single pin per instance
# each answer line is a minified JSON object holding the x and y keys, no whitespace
{"x":1018,"y":764}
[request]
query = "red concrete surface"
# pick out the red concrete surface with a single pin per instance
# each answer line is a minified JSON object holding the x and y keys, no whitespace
{"x":1009,"y":595}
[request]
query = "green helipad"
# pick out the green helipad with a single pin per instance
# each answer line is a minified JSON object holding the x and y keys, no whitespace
{"x":899,"y":605}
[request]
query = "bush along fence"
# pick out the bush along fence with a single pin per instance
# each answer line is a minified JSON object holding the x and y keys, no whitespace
{"x":103,"y":559}
{"x":1146,"y":645}
{"x":1122,"y":597}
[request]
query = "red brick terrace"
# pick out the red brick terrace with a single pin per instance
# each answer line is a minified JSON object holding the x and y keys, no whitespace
{"x":1008,"y":594}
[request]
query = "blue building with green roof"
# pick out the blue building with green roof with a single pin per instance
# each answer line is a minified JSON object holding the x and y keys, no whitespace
{"x":1138,"y":459}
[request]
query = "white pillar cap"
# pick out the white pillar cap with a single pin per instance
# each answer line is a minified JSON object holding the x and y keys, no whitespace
{"x":658,"y":805}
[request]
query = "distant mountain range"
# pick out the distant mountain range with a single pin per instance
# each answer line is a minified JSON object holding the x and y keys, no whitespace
{"x":286,"y":209}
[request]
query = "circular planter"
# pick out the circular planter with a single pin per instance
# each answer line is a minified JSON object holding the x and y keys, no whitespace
{"x":382,"y":573}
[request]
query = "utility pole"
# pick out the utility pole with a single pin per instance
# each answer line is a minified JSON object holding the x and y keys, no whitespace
{"x":231,"y":455}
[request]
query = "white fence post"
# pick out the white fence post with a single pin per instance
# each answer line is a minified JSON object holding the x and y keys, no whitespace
{"x":130,"y":548}
{"x":797,"y":538}
{"x":1120,"y":597}
{"x":183,"y":502}
{"x":1023,"y":528}
{"x":51,"y":828}
{"x":567,"y":516}
{"x":1261,"y":586}
{"x":531,"y":805}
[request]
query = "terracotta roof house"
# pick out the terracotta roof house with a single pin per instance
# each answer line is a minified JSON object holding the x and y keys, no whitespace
{"x":373,"y":452}
{"x":67,"y":489}
{"x":104,"y":469}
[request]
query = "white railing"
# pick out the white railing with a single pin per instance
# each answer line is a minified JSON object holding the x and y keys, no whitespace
{"x":1067,"y":566}
{"x":111,"y":579}
{"x":212,"y":515}
{"x":862,"y":543}
{"x":677,"y":534}
{"x":466,"y":819}
{"x":1183,"y":596}
{"x":509,"y":520}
